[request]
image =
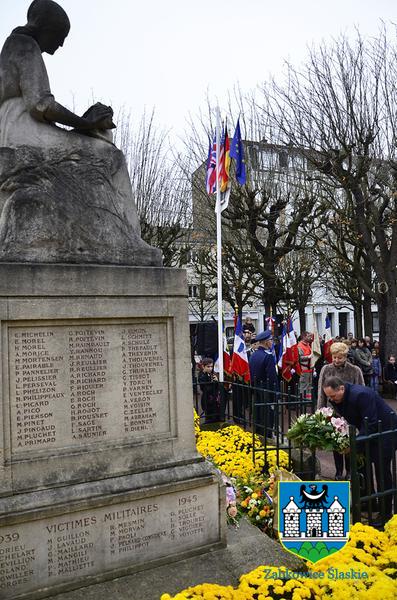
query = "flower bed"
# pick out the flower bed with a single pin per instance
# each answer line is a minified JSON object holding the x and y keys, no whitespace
{"x":230,"y":449}
{"x":368,"y":552}
{"x":248,"y":491}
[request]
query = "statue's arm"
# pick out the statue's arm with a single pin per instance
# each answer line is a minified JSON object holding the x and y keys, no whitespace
{"x":57,"y":113}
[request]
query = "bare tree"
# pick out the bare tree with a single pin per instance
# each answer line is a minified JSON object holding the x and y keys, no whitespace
{"x":340,"y":111}
{"x":299,"y":270}
{"x":161,"y":192}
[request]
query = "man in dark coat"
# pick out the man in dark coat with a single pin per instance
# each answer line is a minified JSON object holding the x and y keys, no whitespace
{"x":262,"y":364}
{"x":264,"y":375}
{"x":356,"y":403}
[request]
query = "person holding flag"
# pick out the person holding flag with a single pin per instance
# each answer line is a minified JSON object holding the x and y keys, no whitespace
{"x":264,"y":375}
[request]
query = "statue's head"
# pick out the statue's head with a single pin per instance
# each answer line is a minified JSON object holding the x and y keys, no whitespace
{"x":49,"y":24}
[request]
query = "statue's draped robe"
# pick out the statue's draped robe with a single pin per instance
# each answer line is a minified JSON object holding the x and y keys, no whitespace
{"x":64,"y":196}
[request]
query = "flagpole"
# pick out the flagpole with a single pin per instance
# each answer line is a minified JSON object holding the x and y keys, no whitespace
{"x":219,"y":248}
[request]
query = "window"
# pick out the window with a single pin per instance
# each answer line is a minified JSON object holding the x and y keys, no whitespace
{"x":375,"y":322}
{"x":193,"y":291}
{"x":343,"y":324}
{"x":283,"y":159}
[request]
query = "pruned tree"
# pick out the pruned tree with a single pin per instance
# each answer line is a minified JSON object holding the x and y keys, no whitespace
{"x":299,"y":270}
{"x":339,"y":110}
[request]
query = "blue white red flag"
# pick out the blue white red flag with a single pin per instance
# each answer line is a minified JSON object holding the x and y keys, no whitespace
{"x":239,"y":365}
{"x":290,"y":356}
{"x":327,"y":340}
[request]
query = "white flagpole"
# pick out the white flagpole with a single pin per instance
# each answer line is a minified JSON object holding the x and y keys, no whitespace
{"x":219,"y":247}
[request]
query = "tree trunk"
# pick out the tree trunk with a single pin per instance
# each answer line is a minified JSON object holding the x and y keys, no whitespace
{"x":302,"y":319}
{"x":358,"y":321}
{"x":387,"y":310}
{"x":367,"y":315}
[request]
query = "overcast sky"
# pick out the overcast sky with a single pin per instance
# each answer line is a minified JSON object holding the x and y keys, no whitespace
{"x":169,"y":54}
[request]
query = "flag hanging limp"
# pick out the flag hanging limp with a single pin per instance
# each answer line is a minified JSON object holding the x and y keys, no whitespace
{"x":237,"y":152}
{"x":327,"y":340}
{"x":211,"y":167}
{"x":239,"y":365}
{"x":227,"y":150}
{"x":224,"y":169}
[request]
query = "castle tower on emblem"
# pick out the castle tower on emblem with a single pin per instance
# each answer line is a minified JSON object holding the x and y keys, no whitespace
{"x":291,"y":519}
{"x":335,"y":519}
{"x":314,"y":522}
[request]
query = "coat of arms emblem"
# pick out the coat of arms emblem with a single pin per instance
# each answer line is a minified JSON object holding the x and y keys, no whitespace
{"x":314,"y":517}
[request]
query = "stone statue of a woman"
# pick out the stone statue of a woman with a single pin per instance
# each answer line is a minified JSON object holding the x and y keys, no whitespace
{"x":65,"y":195}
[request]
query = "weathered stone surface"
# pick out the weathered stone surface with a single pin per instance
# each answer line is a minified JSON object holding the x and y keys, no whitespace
{"x":69,"y":206}
{"x":247,"y":548}
{"x":65,"y":195}
{"x":85,"y":537}
{"x":92,"y":386}
{"x":99,"y":472}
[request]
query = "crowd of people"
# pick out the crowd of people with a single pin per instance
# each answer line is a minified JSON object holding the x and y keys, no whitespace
{"x":352,"y":380}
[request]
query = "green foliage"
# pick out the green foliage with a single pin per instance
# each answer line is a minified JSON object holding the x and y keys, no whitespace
{"x":314,"y":552}
{"x":316,"y":431}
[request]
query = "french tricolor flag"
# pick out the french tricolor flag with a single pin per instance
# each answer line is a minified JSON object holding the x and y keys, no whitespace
{"x":240,"y":364}
{"x":327,"y":340}
{"x":289,"y":358}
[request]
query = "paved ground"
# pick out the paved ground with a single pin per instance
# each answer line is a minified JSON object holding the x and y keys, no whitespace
{"x":247,"y":549}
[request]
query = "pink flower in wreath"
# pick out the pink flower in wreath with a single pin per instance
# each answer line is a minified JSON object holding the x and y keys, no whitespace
{"x":340,"y":425}
{"x":326,"y":411}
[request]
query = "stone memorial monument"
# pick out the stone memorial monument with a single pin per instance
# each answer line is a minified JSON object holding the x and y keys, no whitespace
{"x":99,"y":474}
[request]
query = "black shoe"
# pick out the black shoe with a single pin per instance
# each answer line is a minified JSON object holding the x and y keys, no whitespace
{"x":338,"y":476}
{"x":348,"y":476}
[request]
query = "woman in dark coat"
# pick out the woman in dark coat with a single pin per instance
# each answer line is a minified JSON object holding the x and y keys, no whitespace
{"x":363,"y":358}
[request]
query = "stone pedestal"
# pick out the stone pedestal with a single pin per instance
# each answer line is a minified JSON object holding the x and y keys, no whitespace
{"x":99,"y":474}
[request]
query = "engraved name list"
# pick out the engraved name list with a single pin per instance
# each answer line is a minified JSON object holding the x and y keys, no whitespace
{"x":71,"y":384}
